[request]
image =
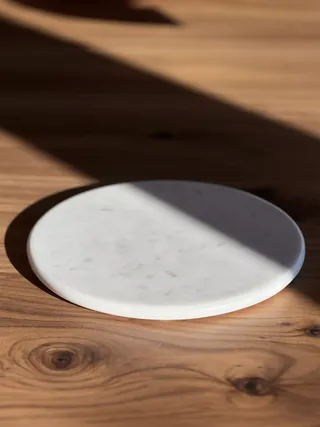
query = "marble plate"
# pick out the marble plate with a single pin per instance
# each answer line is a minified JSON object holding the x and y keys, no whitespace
{"x":166,"y":249}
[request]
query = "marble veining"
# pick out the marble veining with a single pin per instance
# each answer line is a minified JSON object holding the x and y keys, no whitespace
{"x":166,"y":249}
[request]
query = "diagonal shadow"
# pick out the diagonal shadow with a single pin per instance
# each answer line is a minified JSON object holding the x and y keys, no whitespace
{"x":115,"y":123}
{"x":111,"y":10}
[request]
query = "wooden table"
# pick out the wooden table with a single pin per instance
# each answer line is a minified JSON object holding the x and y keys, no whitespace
{"x":224,"y":91}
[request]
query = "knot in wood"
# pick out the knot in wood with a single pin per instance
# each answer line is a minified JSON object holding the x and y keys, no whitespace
{"x":254,"y":386}
{"x":59,"y":359}
{"x":163,"y":135}
{"x":313,"y":331}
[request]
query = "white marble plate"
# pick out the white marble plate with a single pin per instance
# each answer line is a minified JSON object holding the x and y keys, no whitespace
{"x":166,"y":249}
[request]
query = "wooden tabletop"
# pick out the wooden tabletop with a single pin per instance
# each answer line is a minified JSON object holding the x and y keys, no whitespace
{"x":224,"y":91}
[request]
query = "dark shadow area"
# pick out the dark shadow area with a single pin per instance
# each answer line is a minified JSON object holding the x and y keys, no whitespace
{"x":110,"y":10}
{"x":217,"y":212}
{"x":298,"y":206}
{"x":115,"y":123}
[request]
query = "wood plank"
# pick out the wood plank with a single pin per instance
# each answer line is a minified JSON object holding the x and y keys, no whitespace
{"x":221,"y":91}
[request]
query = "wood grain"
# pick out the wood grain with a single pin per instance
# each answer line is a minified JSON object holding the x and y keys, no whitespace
{"x":226,"y":91}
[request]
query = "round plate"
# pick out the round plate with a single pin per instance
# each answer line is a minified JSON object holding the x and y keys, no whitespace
{"x":166,"y":249}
